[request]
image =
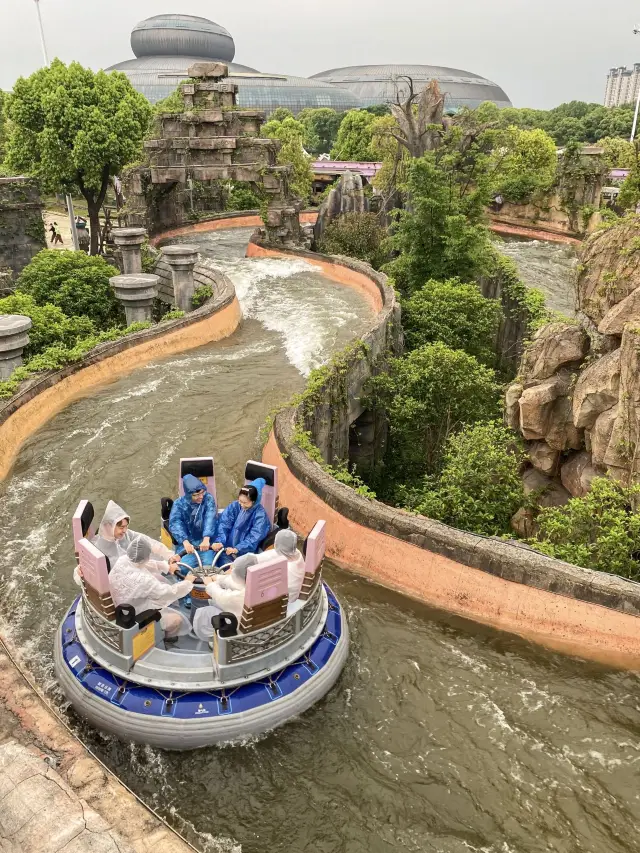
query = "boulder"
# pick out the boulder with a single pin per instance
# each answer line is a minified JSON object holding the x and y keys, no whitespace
{"x":548,"y":492}
{"x":512,"y":405}
{"x":216,"y":70}
{"x":554,"y":346}
{"x":524,"y":524}
{"x":577,"y":473}
{"x":536,"y":404}
{"x":596,"y":390}
{"x":600,"y":436}
{"x":544,"y":458}
{"x":609,"y":269}
{"x":562,"y":434}
{"x":347,"y":196}
{"x":624,"y":446}
{"x":626,"y":311}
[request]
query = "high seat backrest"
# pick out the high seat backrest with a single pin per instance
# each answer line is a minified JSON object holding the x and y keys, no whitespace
{"x":201,"y":467}
{"x":266,"y":595}
{"x":269,"y":473}
{"x":81,"y":523}
{"x":313,"y":550}
{"x":95,"y":577}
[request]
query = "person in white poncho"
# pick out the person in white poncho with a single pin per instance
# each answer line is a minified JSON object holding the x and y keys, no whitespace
{"x":135,"y":580}
{"x":227,"y":595}
{"x":115,"y":536}
{"x":286,"y":545}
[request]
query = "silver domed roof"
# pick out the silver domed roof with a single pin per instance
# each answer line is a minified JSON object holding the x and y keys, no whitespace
{"x":182,"y":35}
{"x":379,"y":84}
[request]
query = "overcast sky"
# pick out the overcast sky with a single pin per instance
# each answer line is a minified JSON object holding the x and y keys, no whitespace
{"x":542,"y":52}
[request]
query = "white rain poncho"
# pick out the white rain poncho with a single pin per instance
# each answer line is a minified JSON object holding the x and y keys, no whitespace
{"x":227,"y":595}
{"x":286,"y":544}
{"x":114,"y":548}
{"x":134,"y":580}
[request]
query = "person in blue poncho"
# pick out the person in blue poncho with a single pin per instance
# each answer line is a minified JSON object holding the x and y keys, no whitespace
{"x":193,"y":522}
{"x":244,"y":524}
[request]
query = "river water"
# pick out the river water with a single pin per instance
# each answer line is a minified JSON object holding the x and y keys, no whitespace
{"x":440,"y":736}
{"x":551,"y":267}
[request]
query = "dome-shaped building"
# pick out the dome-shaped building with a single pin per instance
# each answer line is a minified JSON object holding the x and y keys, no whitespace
{"x":166,"y":45}
{"x":380,"y":84}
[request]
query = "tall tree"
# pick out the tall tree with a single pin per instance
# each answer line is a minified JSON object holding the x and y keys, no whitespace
{"x":322,"y":127}
{"x":292,"y":134}
{"x":75,"y":129}
{"x":354,"y":137}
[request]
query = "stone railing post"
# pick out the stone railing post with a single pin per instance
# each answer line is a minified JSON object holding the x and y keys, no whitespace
{"x":14,"y":337}
{"x":182,"y":260}
{"x":129,"y":241}
{"x":137,"y":293}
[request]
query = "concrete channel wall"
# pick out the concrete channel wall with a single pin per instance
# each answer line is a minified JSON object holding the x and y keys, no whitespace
{"x":502,"y":584}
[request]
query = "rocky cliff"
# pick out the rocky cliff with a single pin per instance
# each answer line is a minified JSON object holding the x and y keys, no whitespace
{"x":576,"y":400}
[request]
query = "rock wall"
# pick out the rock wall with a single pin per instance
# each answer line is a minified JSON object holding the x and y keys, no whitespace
{"x":195,"y":151}
{"x":576,"y":400}
{"x":347,"y":196}
{"x":21,"y":227}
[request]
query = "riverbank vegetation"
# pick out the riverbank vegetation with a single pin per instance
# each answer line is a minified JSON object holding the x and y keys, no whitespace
{"x":72,"y":308}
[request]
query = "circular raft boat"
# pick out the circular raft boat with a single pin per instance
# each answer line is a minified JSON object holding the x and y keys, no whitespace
{"x":116,"y":670}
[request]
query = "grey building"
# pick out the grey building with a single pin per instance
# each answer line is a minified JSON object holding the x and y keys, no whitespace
{"x":166,"y":45}
{"x":622,"y":86}
{"x":380,"y":84}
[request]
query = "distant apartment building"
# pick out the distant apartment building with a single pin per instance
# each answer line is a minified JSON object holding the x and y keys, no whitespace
{"x":622,"y":85}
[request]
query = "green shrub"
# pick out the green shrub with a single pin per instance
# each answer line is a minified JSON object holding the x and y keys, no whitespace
{"x":174,"y":314}
{"x":242,"y":197}
{"x":456,"y":314}
{"x":356,"y":235}
{"x":51,"y":326}
{"x":599,"y":531}
{"x":201,"y":295}
{"x":479,"y":488}
{"x":428,"y":395}
{"x":76,"y":283}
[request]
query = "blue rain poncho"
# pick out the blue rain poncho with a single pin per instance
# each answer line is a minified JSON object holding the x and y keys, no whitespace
{"x":244,"y":529}
{"x":192,"y":521}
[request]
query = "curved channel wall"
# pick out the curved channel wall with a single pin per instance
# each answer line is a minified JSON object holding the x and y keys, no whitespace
{"x":505,"y":585}
{"x":41,"y":398}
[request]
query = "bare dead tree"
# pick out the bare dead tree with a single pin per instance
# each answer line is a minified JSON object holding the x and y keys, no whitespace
{"x":420,"y":117}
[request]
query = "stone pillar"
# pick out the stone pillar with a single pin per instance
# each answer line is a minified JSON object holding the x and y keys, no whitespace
{"x":129,"y":241}
{"x":137,"y":293}
{"x":182,"y":260}
{"x":14,"y":337}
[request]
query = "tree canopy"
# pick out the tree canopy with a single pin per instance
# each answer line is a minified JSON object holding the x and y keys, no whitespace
{"x":293,"y":136}
{"x":354,"y":137}
{"x":75,"y":129}
{"x":322,"y":126}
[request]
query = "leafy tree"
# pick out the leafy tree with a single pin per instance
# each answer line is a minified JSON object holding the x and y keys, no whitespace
{"x":50,"y":324}
{"x":354,"y":137}
{"x":322,"y":126}
{"x":526,"y":162}
{"x":456,"y":314}
{"x":173,"y":103}
{"x":75,"y":129}
{"x":479,"y":488}
{"x":357,"y":235}
{"x":618,"y":152}
{"x":443,"y":234}
{"x":569,"y":130}
{"x":630,"y":190}
{"x":75,"y":283}
{"x":599,"y":531}
{"x":379,"y":110}
{"x":292,"y":134}
{"x":429,"y":394}
{"x":280,"y":114}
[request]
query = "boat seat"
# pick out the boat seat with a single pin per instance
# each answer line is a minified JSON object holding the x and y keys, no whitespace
{"x":201,"y":467}
{"x":282,"y":523}
{"x":81,"y":524}
{"x":269,"y":473}
{"x":95,"y":578}
{"x":313,"y":551}
{"x":266,"y":595}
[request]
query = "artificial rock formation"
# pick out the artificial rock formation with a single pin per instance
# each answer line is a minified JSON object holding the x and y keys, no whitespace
{"x":347,"y":196}
{"x":196,"y":152}
{"x":21,"y":228}
{"x":576,"y":401}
